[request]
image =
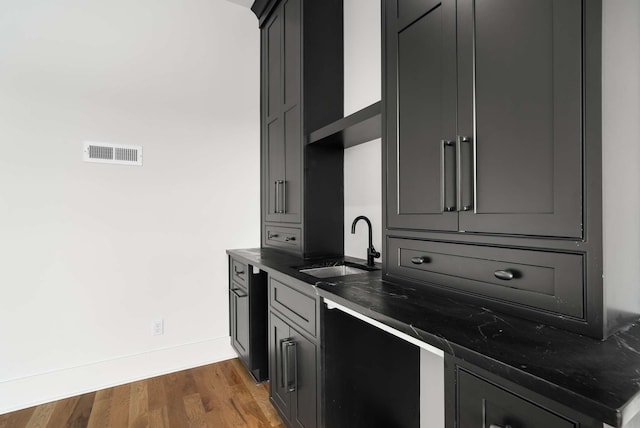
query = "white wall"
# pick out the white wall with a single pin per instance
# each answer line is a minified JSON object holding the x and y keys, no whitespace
{"x":362,"y":163}
{"x":91,"y":253}
{"x":621,"y":151}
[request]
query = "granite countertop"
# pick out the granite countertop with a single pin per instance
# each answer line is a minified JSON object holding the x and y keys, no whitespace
{"x":598,"y":378}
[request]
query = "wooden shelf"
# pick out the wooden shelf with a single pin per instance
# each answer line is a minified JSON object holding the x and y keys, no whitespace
{"x":357,"y":128}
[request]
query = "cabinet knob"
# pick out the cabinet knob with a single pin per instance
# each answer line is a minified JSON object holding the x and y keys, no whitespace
{"x":505,"y":275}
{"x":420,"y":260}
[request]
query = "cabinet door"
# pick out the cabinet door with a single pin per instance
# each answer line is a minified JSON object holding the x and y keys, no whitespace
{"x":305,"y":402}
{"x":519,"y":101}
{"x":278,"y":335}
{"x":240,"y":321}
{"x":282,"y":127}
{"x":421,"y":114}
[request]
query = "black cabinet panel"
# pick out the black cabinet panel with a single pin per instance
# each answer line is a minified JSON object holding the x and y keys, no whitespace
{"x":484,"y":116}
{"x":477,"y":398}
{"x":297,"y":306}
{"x":248,"y":316}
{"x":422,"y":90}
{"x":482,"y":404}
{"x":282,"y":139}
{"x":520,"y":100}
{"x":240,"y":321}
{"x":301,"y":60}
{"x":306,"y":398}
{"x":280,"y":397}
{"x":293,"y":374}
{"x":549,"y":281}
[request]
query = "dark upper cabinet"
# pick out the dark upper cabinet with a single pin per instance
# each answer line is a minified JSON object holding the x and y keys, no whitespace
{"x":302,"y":90}
{"x":493,"y":159}
{"x":484,"y":116}
{"x":281,"y":115}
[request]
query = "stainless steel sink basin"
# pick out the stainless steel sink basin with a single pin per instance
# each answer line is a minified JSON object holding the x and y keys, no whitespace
{"x":332,"y":271}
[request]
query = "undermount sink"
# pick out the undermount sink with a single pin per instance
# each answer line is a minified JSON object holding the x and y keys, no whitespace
{"x":334,"y":270}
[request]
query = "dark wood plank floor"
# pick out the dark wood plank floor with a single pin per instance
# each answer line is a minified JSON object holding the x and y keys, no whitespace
{"x":218,"y":395}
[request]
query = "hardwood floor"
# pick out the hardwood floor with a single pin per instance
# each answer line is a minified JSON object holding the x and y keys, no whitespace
{"x":218,"y":395}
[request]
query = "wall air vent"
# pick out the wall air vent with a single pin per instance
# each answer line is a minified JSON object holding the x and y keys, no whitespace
{"x":112,"y":153}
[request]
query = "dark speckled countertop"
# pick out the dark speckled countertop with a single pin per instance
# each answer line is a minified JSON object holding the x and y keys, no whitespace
{"x":598,"y":378}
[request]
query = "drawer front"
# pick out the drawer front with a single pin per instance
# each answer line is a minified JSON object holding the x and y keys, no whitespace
{"x":298,"y":307}
{"x":539,"y":279}
{"x":283,"y":237}
{"x":481,"y":403}
{"x":239,"y":272}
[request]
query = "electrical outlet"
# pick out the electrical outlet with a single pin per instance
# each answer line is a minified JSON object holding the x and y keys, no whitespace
{"x":157,"y":327}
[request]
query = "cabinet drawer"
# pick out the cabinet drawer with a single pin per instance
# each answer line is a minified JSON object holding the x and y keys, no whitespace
{"x":298,"y":307}
{"x":481,"y":403}
{"x":282,"y":237}
{"x":535,"y":279}
{"x":239,"y":272}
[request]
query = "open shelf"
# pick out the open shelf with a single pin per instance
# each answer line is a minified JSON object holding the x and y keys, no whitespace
{"x":357,"y":128}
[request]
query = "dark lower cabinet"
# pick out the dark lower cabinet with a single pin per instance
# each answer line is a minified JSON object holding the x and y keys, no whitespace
{"x":248,"y":317}
{"x":477,"y":398}
{"x":294,"y":344}
{"x":293,"y":364}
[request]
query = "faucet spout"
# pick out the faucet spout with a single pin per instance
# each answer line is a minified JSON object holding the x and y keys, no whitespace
{"x":371,"y":251}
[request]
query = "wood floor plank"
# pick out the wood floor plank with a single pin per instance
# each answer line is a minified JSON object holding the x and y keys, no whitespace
{"x":139,"y":405}
{"x":221,"y":395}
{"x":41,"y":415}
{"x":119,"y":413}
{"x":63,"y":411}
{"x":80,"y":416}
{"x":195,"y":411}
{"x":174,"y":386}
{"x":101,"y":412}
{"x":159,"y":418}
{"x":157,"y":395}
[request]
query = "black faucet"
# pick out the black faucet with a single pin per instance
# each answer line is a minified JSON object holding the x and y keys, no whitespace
{"x":371,"y":252}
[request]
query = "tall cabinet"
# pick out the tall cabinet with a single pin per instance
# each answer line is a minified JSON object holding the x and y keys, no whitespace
{"x":492,"y":152}
{"x":302,"y":90}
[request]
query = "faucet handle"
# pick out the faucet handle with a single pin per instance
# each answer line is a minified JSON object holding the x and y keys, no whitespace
{"x":374,"y":253}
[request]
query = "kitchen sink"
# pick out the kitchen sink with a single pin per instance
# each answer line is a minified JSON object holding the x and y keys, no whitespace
{"x":336,"y":269}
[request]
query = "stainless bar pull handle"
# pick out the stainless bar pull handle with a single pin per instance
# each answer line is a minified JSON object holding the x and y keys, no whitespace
{"x":237,"y":291}
{"x":281,"y":197}
{"x":447,"y":176}
{"x":464,"y":177}
{"x":276,"y":188}
{"x":292,"y":378}
{"x":283,"y":209}
{"x":286,"y":345}
{"x":284,"y":380}
{"x":505,"y":275}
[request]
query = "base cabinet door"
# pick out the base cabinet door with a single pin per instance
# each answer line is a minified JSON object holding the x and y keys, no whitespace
{"x":293,"y":374}
{"x":240,"y":322}
{"x":248,"y":316}
{"x":477,"y":398}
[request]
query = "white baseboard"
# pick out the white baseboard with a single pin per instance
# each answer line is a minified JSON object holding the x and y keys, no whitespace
{"x":30,"y":391}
